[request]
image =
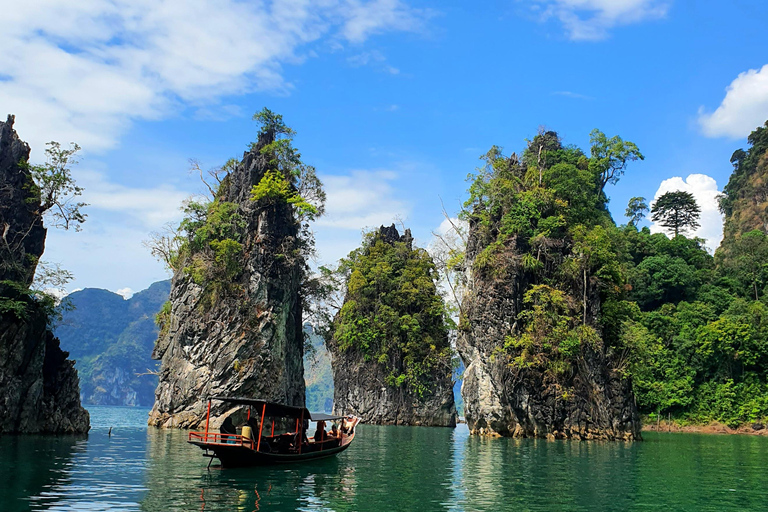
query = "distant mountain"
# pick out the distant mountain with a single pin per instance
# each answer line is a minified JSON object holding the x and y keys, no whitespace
{"x":318,"y":377}
{"x":458,"y":376}
{"x":111,"y":339}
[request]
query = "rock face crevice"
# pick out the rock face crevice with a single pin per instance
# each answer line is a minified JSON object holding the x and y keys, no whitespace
{"x":249,"y":342}
{"x":500,"y":399}
{"x":39,"y":387}
{"x":361,"y":384}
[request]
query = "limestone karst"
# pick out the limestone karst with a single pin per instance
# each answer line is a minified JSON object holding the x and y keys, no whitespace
{"x":233,"y":325}
{"x":389,"y":347}
{"x":39,"y":387}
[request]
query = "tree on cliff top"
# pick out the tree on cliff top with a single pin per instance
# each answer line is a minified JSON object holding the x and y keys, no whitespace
{"x":677,"y":211}
{"x":57,"y":190}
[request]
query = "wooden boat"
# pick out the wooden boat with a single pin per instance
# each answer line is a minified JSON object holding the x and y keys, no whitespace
{"x":278,"y":437}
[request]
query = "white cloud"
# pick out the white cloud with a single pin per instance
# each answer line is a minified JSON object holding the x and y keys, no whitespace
{"x":376,"y":16}
{"x":109,"y":252}
{"x":357,"y":201}
{"x":150,"y":207}
{"x":84,"y":70}
{"x":744,"y":108}
{"x":361,"y":199}
{"x":704,"y":189}
{"x":592,"y":19}
{"x":571,"y":94}
{"x":127,"y":293}
{"x":373,"y":58}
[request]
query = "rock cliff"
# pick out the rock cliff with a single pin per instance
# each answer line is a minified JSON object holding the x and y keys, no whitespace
{"x":240,"y":335}
{"x":39,"y":387}
{"x":540,"y":266}
{"x":500,"y":400}
{"x":390,"y":353}
{"x":744,"y":201}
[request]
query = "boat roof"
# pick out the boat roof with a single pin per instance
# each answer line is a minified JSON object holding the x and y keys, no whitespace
{"x":280,"y":410}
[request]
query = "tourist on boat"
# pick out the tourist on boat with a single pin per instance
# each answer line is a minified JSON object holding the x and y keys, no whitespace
{"x":348,"y":425}
{"x":320,"y":434}
{"x":228,"y":427}
{"x":334,"y":431}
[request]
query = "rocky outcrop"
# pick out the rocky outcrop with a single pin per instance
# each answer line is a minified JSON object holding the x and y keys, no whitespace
{"x":500,"y":399}
{"x":39,"y":387}
{"x":363,"y":376}
{"x":247,"y":341}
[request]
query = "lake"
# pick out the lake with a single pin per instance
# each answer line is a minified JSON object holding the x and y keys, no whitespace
{"x":387,"y":468}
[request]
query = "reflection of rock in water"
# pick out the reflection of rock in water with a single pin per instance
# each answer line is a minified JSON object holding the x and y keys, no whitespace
{"x":32,"y":465}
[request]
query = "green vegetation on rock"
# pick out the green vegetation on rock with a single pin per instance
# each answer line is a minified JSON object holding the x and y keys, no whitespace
{"x":392,"y":314}
{"x":687,"y":328}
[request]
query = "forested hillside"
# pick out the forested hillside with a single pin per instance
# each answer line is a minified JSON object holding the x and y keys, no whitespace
{"x":700,"y":328}
{"x":111,"y":340}
{"x":554,"y":283}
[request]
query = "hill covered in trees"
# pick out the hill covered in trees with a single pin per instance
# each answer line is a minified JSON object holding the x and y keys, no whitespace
{"x":700,"y":331}
{"x":111,"y":340}
{"x":391,"y":355}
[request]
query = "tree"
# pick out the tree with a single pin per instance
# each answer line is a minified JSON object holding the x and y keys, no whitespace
{"x":57,"y":189}
{"x":677,"y":211}
{"x":610,"y":157}
{"x":747,"y":262}
{"x":636,"y":210}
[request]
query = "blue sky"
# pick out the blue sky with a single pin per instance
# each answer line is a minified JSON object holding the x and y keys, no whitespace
{"x":393,"y":101}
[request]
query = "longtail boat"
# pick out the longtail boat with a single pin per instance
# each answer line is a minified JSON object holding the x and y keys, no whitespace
{"x":277,"y":437}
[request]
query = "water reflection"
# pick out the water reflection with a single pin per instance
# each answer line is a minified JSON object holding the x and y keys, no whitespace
{"x":387,"y":468}
{"x":381,"y":467}
{"x":33,"y":467}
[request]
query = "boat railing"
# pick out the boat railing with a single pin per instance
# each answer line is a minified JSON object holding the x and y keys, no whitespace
{"x":222,"y":439}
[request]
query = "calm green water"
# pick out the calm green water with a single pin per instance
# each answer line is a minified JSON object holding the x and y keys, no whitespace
{"x":387,"y":468}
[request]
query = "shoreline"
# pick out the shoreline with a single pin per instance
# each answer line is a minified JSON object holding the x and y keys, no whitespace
{"x":710,"y":428}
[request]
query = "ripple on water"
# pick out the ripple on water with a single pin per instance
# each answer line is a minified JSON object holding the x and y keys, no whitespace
{"x":388,"y":468}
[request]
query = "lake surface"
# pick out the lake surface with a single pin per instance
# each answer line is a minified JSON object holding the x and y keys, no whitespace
{"x":387,"y":468}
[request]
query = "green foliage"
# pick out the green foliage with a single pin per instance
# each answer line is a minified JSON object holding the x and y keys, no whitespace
{"x":273,"y":189}
{"x":163,"y":318}
{"x":27,"y":304}
{"x":53,"y":185}
{"x":689,"y":330}
{"x":677,"y":211}
{"x":393,"y":314}
{"x":748,"y":263}
{"x":609,"y":157}
{"x":636,"y":210}
{"x":550,"y":337}
{"x":211,"y":252}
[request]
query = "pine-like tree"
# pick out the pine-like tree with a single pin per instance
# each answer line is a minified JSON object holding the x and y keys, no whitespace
{"x":677,"y":211}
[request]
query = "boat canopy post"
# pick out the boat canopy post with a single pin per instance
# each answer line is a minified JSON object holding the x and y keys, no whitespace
{"x":261,"y":425}
{"x":207,"y":418}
